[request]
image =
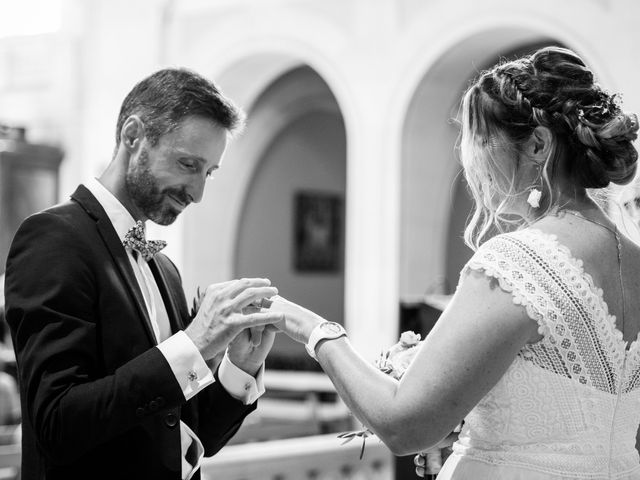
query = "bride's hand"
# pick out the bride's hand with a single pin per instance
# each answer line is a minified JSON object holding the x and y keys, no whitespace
{"x":298,"y":321}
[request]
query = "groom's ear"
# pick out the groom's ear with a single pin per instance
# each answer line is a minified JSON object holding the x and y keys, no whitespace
{"x":132,"y":133}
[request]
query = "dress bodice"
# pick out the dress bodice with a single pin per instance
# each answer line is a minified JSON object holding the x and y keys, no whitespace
{"x":569,"y":404}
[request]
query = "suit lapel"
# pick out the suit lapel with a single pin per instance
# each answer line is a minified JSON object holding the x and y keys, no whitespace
{"x":118,"y":253}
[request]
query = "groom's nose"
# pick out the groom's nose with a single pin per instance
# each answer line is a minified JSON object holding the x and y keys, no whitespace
{"x":195,"y":190}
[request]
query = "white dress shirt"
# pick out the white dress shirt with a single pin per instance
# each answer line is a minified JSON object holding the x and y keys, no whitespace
{"x":186,"y":362}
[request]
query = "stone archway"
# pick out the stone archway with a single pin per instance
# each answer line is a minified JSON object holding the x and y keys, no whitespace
{"x":216,"y":219}
{"x":302,"y":154}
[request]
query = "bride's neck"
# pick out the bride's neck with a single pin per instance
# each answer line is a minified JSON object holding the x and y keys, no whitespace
{"x":583,"y":205}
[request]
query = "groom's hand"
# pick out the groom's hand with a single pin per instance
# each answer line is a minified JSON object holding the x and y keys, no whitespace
{"x":221,"y":318}
{"x":250,"y":348}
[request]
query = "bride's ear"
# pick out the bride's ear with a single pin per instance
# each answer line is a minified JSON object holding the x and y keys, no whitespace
{"x":540,"y":145}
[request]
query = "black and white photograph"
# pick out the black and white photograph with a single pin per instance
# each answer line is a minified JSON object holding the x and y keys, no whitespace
{"x":319,"y":240}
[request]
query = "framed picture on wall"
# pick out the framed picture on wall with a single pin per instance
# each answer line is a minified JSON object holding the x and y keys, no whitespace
{"x":317,"y":231}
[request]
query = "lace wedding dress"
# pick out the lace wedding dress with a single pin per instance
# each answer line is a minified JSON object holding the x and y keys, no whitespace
{"x":569,"y":405}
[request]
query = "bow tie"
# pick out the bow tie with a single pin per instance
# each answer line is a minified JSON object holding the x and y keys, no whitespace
{"x":135,"y":240}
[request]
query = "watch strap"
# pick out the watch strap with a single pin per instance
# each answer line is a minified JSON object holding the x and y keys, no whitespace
{"x":318,"y":334}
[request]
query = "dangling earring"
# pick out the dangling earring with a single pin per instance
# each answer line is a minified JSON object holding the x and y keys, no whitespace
{"x":534,"y":198}
{"x":535,"y":194}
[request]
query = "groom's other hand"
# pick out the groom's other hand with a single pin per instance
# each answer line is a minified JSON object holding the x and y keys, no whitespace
{"x":221,"y":318}
{"x":250,"y":348}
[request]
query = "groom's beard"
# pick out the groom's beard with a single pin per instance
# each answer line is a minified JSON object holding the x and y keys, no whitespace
{"x":143,"y":189}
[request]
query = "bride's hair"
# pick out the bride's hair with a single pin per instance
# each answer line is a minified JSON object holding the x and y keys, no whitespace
{"x":553,"y":88}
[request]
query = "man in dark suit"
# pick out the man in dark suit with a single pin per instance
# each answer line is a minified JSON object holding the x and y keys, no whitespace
{"x":117,"y":381}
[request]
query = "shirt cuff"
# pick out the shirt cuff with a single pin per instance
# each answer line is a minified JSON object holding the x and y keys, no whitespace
{"x":190,"y":442}
{"x":239,"y":383}
{"x":188,"y":366}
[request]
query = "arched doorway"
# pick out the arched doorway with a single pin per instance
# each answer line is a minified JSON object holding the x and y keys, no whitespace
{"x":300,"y":176}
{"x":209,"y":229}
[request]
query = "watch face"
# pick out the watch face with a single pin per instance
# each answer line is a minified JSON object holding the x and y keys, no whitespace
{"x":331,"y":327}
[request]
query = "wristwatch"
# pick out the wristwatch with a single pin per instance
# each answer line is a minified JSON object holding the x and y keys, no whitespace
{"x":325,"y":331}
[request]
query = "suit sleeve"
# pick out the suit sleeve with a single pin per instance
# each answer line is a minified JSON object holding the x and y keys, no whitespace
{"x":51,"y":307}
{"x":218,"y":415}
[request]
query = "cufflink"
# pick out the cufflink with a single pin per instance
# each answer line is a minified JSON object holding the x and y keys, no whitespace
{"x":192,"y":376}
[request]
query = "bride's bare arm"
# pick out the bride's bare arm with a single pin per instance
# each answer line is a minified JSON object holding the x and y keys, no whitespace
{"x":463,"y":357}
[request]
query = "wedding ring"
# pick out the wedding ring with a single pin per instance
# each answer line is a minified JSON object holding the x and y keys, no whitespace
{"x":262,"y":303}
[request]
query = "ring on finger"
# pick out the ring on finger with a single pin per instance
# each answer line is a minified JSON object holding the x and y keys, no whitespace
{"x":262,"y":303}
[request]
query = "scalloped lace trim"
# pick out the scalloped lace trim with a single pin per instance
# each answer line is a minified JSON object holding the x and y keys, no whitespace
{"x":597,"y":292}
{"x":533,"y":311}
{"x":575,"y":391}
{"x":557,"y":293}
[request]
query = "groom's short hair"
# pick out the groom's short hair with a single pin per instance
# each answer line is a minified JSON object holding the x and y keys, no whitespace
{"x":166,"y":97}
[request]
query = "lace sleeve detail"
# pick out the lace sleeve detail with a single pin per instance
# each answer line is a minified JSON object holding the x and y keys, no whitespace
{"x":579,"y":337}
{"x":513,"y":263}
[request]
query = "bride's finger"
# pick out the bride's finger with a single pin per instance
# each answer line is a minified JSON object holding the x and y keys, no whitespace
{"x":263,"y":318}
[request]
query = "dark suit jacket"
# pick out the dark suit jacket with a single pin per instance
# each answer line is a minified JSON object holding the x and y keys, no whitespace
{"x":98,"y":400}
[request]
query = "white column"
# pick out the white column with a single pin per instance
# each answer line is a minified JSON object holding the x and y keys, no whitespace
{"x":372,"y":241}
{"x":373,"y":176}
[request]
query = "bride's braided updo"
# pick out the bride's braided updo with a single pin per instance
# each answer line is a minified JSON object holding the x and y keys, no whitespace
{"x":551,"y":88}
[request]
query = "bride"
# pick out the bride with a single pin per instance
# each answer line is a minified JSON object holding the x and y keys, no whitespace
{"x":538,"y":349}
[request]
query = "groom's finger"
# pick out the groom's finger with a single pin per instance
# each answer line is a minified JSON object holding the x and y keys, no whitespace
{"x":253,"y":295}
{"x":212,"y":291}
{"x":217,"y":287}
{"x":239,"y":286}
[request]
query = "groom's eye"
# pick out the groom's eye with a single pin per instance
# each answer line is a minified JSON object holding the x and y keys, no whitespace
{"x":189,"y":165}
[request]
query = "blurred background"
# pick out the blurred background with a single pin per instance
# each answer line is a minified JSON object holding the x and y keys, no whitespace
{"x":345,"y":189}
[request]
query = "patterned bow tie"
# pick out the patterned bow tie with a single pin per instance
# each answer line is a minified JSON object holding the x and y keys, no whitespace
{"x":135,"y":240}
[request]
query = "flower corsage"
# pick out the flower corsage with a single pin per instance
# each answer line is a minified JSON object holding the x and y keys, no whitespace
{"x":394,"y":362}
